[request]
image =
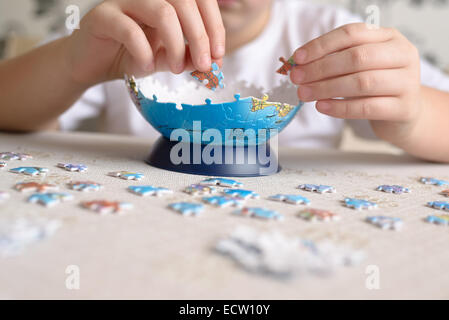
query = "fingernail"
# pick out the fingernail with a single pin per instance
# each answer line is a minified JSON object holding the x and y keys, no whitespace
{"x":300,"y":56}
{"x":205,"y":61}
{"x":324,"y":106}
{"x":298,"y":75}
{"x":180,"y":67}
{"x":305,"y":93}
{"x":220,"y":50}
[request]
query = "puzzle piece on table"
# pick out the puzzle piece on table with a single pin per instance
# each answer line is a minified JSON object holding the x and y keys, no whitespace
{"x":359,"y":204}
{"x":393,"y":189}
{"x":200,"y":189}
{"x":3,"y":164}
{"x":125,"y":175}
{"x":187,"y":208}
{"x":84,"y":186}
{"x":435,"y":182}
{"x":241,"y":194}
{"x":14,"y":156}
{"x":212,"y":79}
{"x":287,"y":66}
{"x":290,"y":198}
{"x":73,"y":167}
{"x":221,"y":182}
{"x":4,"y":196}
{"x":49,"y":199}
{"x":439,"y":219}
{"x":317,"y":214}
{"x":445,"y":193}
{"x":440,"y":205}
{"x":222,"y":202}
{"x":386,"y":223}
{"x":106,"y":207}
{"x":35,"y":187}
{"x":30,"y":171}
{"x":260,"y":213}
{"x":317,"y":188}
{"x":149,"y":191}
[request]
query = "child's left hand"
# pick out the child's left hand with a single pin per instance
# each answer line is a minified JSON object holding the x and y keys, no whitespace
{"x":376,"y":71}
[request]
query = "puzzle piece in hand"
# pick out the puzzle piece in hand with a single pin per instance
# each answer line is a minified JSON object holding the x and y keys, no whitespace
{"x":445,"y":193}
{"x":221,"y":182}
{"x":316,"y":214}
{"x":107,"y":207}
{"x":435,"y":182}
{"x":439,"y":219}
{"x":359,"y":204}
{"x":222,"y":202}
{"x":73,"y":167}
{"x":290,"y":198}
{"x":260,"y":213}
{"x":200,"y":189}
{"x":287,"y":66}
{"x":386,"y":223}
{"x":440,"y":205}
{"x":14,"y":156}
{"x":211,"y":79}
{"x":125,"y":175}
{"x":30,"y":171}
{"x":85,"y":186}
{"x":149,"y":191}
{"x":35,"y":187}
{"x":393,"y":189}
{"x":4,"y":196}
{"x":49,"y":199}
{"x":3,"y":164}
{"x":241,"y":194}
{"x":187,"y":208}
{"x":317,"y":188}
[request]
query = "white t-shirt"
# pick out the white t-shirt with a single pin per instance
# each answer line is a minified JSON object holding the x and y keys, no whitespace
{"x":292,"y":24}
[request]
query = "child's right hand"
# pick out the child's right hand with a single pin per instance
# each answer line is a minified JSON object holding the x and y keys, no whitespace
{"x":142,"y":36}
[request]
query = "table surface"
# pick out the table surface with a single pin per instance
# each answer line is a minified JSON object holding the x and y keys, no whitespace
{"x":152,"y":252}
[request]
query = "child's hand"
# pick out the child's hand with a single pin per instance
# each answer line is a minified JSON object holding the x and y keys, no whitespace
{"x":142,"y":36}
{"x":376,"y":71}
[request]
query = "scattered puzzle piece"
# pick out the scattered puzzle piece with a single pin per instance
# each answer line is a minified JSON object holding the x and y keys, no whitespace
{"x":290,"y":198}
{"x":125,"y":175}
{"x":212,"y":79}
{"x":187,"y":208}
{"x":73,"y":167}
{"x":445,"y":193}
{"x":107,"y":207}
{"x":223,"y":202}
{"x":386,"y":223}
{"x":4,"y":196}
{"x":228,"y":183}
{"x":287,"y":66}
{"x":49,"y":199}
{"x":241,"y":194}
{"x":149,"y":191}
{"x":200,"y":189}
{"x":3,"y":164}
{"x":393,"y":189}
{"x":259,"y":213}
{"x":439,"y":219}
{"x":316,"y":214}
{"x":440,"y":205}
{"x":85,"y":186}
{"x":14,"y":156}
{"x":35,"y":187}
{"x":435,"y":182}
{"x":30,"y":171}
{"x":359,"y":204}
{"x":317,"y":188}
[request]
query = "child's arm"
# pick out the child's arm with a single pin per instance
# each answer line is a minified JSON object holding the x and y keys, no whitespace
{"x":117,"y":37}
{"x":377,"y":71}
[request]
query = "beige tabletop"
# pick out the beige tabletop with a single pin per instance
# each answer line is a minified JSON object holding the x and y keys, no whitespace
{"x":152,"y":252}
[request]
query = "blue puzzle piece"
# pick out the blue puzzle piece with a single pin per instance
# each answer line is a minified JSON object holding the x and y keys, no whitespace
{"x":30,"y":171}
{"x":187,"y":208}
{"x":241,"y":194}
{"x":440,"y":219}
{"x":85,"y":186}
{"x":14,"y":156}
{"x":200,"y":189}
{"x":290,"y":198}
{"x":435,"y":182}
{"x":317,"y":188}
{"x":358,"y":204}
{"x":228,"y":183}
{"x":125,"y":175}
{"x":440,"y":205}
{"x":49,"y":199}
{"x":386,"y":223}
{"x":259,"y":213}
{"x":222,"y":202}
{"x":149,"y":191}
{"x":393,"y":189}
{"x":73,"y":167}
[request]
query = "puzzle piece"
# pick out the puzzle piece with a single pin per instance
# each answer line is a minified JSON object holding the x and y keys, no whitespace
{"x":440,"y":205}
{"x":3,"y":164}
{"x":125,"y":175}
{"x":386,"y":223}
{"x":439,"y":219}
{"x":290,"y":198}
{"x":393,"y":189}
{"x":435,"y":182}
{"x":359,"y":204}
{"x":200,"y":189}
{"x":317,"y":188}
{"x":14,"y":156}
{"x":287,"y":66}
{"x":84,"y":186}
{"x":445,"y":193}
{"x":212,"y":79}
{"x":4,"y":196}
{"x":49,"y":199}
{"x":316,"y":214}
{"x":187,"y":208}
{"x":35,"y":187}
{"x":107,"y":207}
{"x":149,"y":191}
{"x":260,"y":213}
{"x":30,"y":171}
{"x":73,"y":167}
{"x":221,"y":182}
{"x":223,"y":202}
{"x":241,"y":194}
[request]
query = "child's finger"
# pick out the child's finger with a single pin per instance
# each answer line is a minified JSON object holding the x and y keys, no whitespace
{"x":363,"y":84}
{"x":213,"y":22}
{"x":372,"y":108}
{"x":341,"y":38}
